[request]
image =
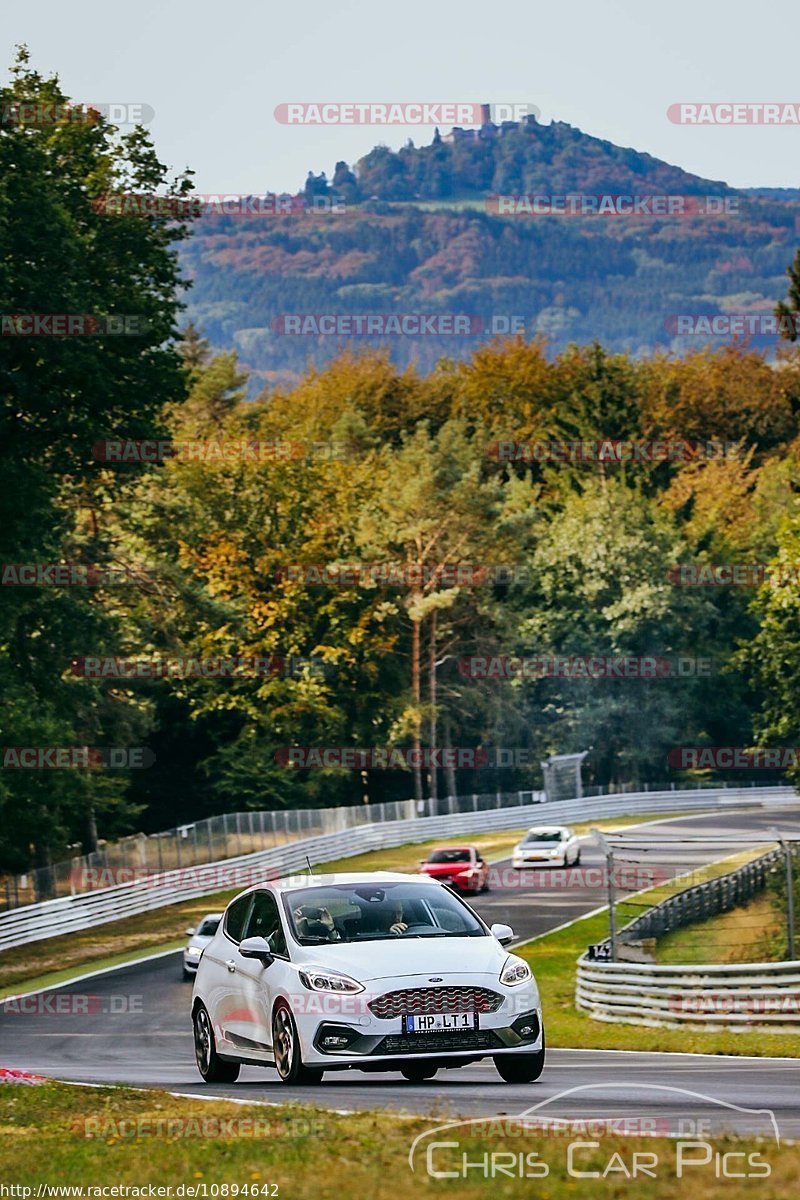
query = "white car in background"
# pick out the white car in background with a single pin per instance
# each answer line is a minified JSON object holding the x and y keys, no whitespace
{"x":200,"y":937}
{"x":375,"y":971}
{"x":547,"y":846}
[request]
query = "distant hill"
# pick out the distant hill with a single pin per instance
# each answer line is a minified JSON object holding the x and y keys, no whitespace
{"x":417,"y":231}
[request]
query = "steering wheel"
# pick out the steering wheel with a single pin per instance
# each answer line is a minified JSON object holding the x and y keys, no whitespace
{"x":420,"y":927}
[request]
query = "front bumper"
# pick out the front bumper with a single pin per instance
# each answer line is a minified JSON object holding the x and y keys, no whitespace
{"x":336,"y":1039}
{"x":534,"y":860}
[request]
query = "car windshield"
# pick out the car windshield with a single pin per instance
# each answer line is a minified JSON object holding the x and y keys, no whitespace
{"x":208,"y":927}
{"x":448,"y":856}
{"x":543,"y":835}
{"x":368,"y":912}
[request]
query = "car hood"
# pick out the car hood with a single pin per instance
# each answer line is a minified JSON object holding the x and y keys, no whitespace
{"x":409,"y":956}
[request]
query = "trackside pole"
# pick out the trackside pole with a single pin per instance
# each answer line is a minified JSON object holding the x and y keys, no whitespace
{"x":612,"y":893}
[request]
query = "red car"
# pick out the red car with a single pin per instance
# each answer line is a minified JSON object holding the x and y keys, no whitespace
{"x":459,"y":866}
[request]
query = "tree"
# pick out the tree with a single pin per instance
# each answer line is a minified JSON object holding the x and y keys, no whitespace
{"x":789,"y":314}
{"x":63,"y":251}
{"x":433,"y":510}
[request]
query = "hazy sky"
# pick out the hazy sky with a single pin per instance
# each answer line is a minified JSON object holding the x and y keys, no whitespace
{"x":214,"y":72}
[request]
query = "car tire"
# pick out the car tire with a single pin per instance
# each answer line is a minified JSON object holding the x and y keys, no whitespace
{"x":577,"y":858}
{"x":520,"y":1068}
{"x":286,"y":1048}
{"x":418,"y":1072}
{"x":213,"y":1068}
{"x":485,"y":887}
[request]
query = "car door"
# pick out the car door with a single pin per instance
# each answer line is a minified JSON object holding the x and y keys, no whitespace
{"x":219,"y":977}
{"x":258,"y":984}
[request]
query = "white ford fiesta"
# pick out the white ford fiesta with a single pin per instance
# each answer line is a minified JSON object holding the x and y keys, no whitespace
{"x":379,"y":972}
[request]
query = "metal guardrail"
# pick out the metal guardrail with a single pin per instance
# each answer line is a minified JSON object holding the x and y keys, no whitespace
{"x":710,"y":995}
{"x":234,"y":834}
{"x":228,"y":836}
{"x":703,"y":900}
{"x":155,"y":889}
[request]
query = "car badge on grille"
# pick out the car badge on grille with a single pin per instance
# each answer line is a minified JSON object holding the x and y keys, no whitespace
{"x":436,"y":979}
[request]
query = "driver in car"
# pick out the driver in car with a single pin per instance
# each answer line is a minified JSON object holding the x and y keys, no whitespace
{"x":398,"y":925}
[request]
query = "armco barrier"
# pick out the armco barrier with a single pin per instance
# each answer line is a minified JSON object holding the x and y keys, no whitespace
{"x":71,"y":913}
{"x":733,"y":995}
{"x":704,"y":900}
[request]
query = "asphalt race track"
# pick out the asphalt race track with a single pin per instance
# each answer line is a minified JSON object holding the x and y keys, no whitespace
{"x":132,"y":1025}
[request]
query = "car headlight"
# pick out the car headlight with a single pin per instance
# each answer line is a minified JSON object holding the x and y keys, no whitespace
{"x":515,"y":970}
{"x":195,"y":949}
{"x":317,"y":979}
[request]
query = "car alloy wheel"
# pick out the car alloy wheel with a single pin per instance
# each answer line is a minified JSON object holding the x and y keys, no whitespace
{"x":213,"y":1068}
{"x":286,"y":1048}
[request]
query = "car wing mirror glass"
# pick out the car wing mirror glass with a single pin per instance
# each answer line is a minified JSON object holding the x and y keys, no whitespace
{"x":257,"y":948}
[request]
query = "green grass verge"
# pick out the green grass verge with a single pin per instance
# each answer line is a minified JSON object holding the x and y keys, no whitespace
{"x":752,"y":932}
{"x":553,"y":959}
{"x":298,"y":1152}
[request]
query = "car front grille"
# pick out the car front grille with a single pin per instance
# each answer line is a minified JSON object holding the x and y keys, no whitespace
{"x":404,"y":1045}
{"x":436,"y":1000}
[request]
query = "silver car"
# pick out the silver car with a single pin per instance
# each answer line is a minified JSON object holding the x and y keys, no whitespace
{"x":199,"y":939}
{"x":547,"y":846}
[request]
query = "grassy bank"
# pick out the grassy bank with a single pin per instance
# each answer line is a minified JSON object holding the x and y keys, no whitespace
{"x":754,"y":932}
{"x":301,"y":1153}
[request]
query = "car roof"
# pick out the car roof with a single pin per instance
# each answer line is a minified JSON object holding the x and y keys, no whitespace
{"x":453,"y":847}
{"x":294,"y":883}
{"x":547,"y":828}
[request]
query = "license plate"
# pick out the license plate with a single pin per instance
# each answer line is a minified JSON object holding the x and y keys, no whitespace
{"x":440,"y":1022}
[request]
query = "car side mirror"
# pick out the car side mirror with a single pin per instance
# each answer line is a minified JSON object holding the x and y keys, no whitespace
{"x":258,"y":948}
{"x":503,"y":933}
{"x":191,"y":930}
